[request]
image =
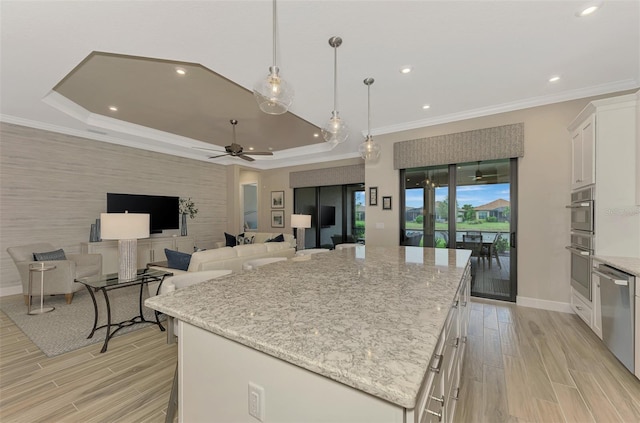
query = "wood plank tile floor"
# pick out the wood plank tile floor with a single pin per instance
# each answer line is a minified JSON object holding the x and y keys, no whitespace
{"x":529,"y":365}
{"x":521,"y":365}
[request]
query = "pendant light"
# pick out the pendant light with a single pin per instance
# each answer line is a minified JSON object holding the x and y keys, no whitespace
{"x":273,"y":94}
{"x":335,"y":131}
{"x":369,"y":149}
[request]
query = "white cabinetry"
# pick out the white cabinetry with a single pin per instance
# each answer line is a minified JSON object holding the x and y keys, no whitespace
{"x":149,"y":250}
{"x":596,"y":324}
{"x":582,"y":307}
{"x":582,"y":153}
{"x":637,"y":364}
{"x":608,"y":128}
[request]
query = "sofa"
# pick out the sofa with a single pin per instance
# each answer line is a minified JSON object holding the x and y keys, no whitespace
{"x":261,"y":237}
{"x":232,"y":258}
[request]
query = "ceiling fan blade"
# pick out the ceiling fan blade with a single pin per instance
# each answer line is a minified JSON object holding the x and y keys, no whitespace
{"x":220,"y":155}
{"x":259,"y":153}
{"x":247,"y":158}
{"x":204,"y":148}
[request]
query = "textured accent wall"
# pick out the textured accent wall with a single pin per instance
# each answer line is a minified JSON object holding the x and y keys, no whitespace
{"x":353,"y":174}
{"x":500,"y":142}
{"x":53,"y":186}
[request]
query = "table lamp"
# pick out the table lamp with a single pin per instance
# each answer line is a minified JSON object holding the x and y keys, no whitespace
{"x":300,"y":221}
{"x":127,"y":228}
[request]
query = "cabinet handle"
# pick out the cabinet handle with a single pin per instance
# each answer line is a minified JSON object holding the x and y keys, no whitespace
{"x":440,"y":400}
{"x":438,"y":365}
{"x":578,"y":307}
{"x":433,"y":413}
{"x":455,"y":304}
{"x":455,"y":342}
{"x":456,"y":396}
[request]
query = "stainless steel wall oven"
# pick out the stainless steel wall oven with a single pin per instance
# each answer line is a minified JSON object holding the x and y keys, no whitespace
{"x":582,"y":232}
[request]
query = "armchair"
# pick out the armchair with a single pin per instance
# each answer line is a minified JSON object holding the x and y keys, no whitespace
{"x":60,"y":280}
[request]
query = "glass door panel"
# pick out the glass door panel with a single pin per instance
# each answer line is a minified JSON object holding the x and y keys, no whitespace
{"x":426,"y":217}
{"x":305,"y":203}
{"x":483,"y":224}
{"x":330,"y":216}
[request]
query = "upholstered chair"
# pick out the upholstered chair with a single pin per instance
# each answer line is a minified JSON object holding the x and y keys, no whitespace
{"x":61,"y":279}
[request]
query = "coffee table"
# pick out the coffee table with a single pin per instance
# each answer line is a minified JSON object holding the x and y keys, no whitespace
{"x":106,"y":283}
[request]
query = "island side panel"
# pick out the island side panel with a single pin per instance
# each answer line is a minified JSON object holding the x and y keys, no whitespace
{"x":215,"y":373}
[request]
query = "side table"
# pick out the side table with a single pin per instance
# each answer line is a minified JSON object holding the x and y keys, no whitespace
{"x":40,"y":268}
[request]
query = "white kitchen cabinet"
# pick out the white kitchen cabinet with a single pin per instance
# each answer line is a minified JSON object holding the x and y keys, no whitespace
{"x":637,"y":360}
{"x":149,"y":250}
{"x":582,"y":153}
{"x":596,"y":323}
{"x":605,"y":145}
{"x":582,"y":307}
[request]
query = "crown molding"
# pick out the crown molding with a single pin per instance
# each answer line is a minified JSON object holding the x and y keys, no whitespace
{"x":628,"y":84}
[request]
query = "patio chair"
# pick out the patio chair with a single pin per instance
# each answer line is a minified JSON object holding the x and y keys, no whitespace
{"x":474,"y":243}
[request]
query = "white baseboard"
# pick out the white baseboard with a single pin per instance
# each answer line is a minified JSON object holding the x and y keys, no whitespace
{"x":10,"y":290}
{"x":544,"y":304}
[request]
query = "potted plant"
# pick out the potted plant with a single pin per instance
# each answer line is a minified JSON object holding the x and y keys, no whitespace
{"x":187,"y":207}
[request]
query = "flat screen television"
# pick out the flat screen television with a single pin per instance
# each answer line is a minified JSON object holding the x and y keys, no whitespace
{"x":163,"y":211}
{"x":327,"y":216}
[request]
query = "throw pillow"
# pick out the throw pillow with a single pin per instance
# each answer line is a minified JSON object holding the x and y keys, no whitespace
{"x":177,"y":259}
{"x":245,"y":239}
{"x":230,"y":240}
{"x":279,"y":238}
{"x":50,"y":255}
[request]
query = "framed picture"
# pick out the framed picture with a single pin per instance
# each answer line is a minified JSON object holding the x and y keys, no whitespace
{"x":277,"y":218}
{"x":277,"y":201}
{"x":386,"y":203}
{"x":373,"y":196}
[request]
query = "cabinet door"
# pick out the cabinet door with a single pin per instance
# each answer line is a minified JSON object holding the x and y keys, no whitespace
{"x":588,"y":151}
{"x":576,"y":158}
{"x":597,"y":313}
{"x":144,"y":253}
{"x":185,"y":244}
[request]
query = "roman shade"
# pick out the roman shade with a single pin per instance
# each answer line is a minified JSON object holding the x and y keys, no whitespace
{"x":499,"y":142}
{"x":341,"y":175}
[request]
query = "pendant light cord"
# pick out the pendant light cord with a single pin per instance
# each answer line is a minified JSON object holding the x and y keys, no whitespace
{"x":274,"y":34}
{"x":335,"y":79}
{"x":368,"y":112}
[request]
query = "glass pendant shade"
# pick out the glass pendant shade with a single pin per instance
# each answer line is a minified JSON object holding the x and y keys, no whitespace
{"x":335,"y":130}
{"x":273,"y":94}
{"x":369,"y":149}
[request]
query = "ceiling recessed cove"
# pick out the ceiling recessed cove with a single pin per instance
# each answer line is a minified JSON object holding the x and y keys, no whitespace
{"x":190,"y":110}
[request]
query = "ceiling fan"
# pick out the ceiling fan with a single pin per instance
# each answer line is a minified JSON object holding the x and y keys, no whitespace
{"x":236,"y":150}
{"x":480,"y":176}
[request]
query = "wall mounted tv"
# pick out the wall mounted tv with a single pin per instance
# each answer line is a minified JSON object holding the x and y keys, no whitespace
{"x":327,"y":216}
{"x":164,"y":211}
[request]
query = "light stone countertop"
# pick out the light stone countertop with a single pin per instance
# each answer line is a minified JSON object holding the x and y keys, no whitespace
{"x":626,"y":264}
{"x":366,"y":317}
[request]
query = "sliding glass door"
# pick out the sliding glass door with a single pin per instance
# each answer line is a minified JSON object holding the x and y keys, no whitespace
{"x":482,"y":220}
{"x":337,"y":214}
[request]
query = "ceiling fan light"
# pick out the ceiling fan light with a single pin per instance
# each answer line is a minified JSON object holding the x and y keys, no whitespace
{"x":369,"y":149}
{"x":478,"y":174}
{"x":335,"y":130}
{"x":273,"y":94}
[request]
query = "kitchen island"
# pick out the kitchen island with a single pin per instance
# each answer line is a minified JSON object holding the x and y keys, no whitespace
{"x":362,"y":334}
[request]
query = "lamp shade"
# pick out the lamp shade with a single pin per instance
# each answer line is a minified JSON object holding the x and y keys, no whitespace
{"x":300,"y":221}
{"x":124,"y":225}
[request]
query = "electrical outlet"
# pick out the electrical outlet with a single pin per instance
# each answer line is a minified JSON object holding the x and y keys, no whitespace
{"x":256,"y":401}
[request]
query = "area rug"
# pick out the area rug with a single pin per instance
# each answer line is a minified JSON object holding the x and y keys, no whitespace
{"x":66,"y":328}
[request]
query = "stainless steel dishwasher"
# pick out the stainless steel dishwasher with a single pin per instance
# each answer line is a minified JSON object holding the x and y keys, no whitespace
{"x":617,"y":299}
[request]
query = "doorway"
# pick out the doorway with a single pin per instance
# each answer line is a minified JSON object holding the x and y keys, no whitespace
{"x":483,"y":218}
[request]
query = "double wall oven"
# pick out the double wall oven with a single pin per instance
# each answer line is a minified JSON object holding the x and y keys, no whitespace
{"x":582,"y":233}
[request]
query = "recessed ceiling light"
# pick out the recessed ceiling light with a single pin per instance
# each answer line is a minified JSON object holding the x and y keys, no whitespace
{"x":554,"y":78}
{"x":250,"y":148}
{"x":426,"y":106}
{"x":270,"y":148}
{"x":181,"y":71}
{"x":588,"y":9}
{"x":406,"y":69}
{"x":316,"y":135}
{"x":113,"y":108}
